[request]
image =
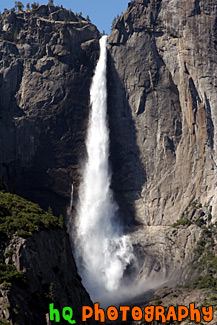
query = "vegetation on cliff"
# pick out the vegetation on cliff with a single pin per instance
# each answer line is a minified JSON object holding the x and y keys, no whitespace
{"x":21,"y":217}
{"x":34,"y":270}
{"x":201,"y":284}
{"x":204,"y":262}
{"x":205,"y":259}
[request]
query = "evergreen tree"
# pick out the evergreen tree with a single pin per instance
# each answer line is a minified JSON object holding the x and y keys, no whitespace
{"x":34,"y":5}
{"x":49,"y":211}
{"x":114,"y":21}
{"x":19,"y":5}
{"x":61,"y":222}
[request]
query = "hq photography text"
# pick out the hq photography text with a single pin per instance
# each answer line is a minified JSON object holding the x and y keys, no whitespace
{"x":124,"y":313}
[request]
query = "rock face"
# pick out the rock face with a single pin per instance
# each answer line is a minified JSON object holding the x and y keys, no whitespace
{"x":47,"y":61}
{"x":162,"y":114}
{"x":51,"y":277}
{"x":162,"y":109}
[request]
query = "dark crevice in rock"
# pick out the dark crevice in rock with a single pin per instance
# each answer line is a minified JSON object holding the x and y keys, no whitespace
{"x":196,"y":10}
{"x":195,"y":99}
{"x":194,"y":91}
{"x":210,"y":125}
{"x":169,"y":144}
{"x":186,"y":69}
{"x":141,"y":108}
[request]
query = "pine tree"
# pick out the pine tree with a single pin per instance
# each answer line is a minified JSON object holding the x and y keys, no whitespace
{"x":61,"y":222}
{"x":49,"y":211}
{"x":34,"y":5}
{"x":114,"y":21}
{"x":19,"y":5}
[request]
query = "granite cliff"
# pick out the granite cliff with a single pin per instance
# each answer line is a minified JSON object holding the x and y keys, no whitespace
{"x":162,"y":116}
{"x":50,"y":276}
{"x":36,"y":265}
{"x":47,"y":60}
{"x":162,"y":109}
{"x":165,"y":95}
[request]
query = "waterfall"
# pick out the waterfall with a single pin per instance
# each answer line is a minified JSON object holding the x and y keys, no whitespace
{"x":103,"y":252}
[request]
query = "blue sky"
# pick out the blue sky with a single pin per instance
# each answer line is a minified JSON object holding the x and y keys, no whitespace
{"x":101,"y":12}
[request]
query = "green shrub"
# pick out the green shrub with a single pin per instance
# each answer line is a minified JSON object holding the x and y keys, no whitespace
{"x":206,"y":232}
{"x":49,"y":292}
{"x":182,"y":222}
{"x":157,"y":301}
{"x":207,"y":282}
{"x":213,"y":264}
{"x":196,"y":205}
{"x":199,"y":222}
{"x":22,"y":217}
{"x":205,"y":260}
{"x":61,"y":222}
{"x":9,"y":253}
{"x":9,"y":274}
{"x":213,"y":298}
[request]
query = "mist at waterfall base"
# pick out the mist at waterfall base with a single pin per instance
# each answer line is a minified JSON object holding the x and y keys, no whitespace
{"x":103,"y":253}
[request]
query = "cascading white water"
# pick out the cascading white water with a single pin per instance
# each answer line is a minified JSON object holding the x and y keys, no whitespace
{"x":102,"y":251}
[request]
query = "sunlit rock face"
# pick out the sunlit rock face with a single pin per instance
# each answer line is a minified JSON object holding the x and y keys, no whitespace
{"x":162,"y":107}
